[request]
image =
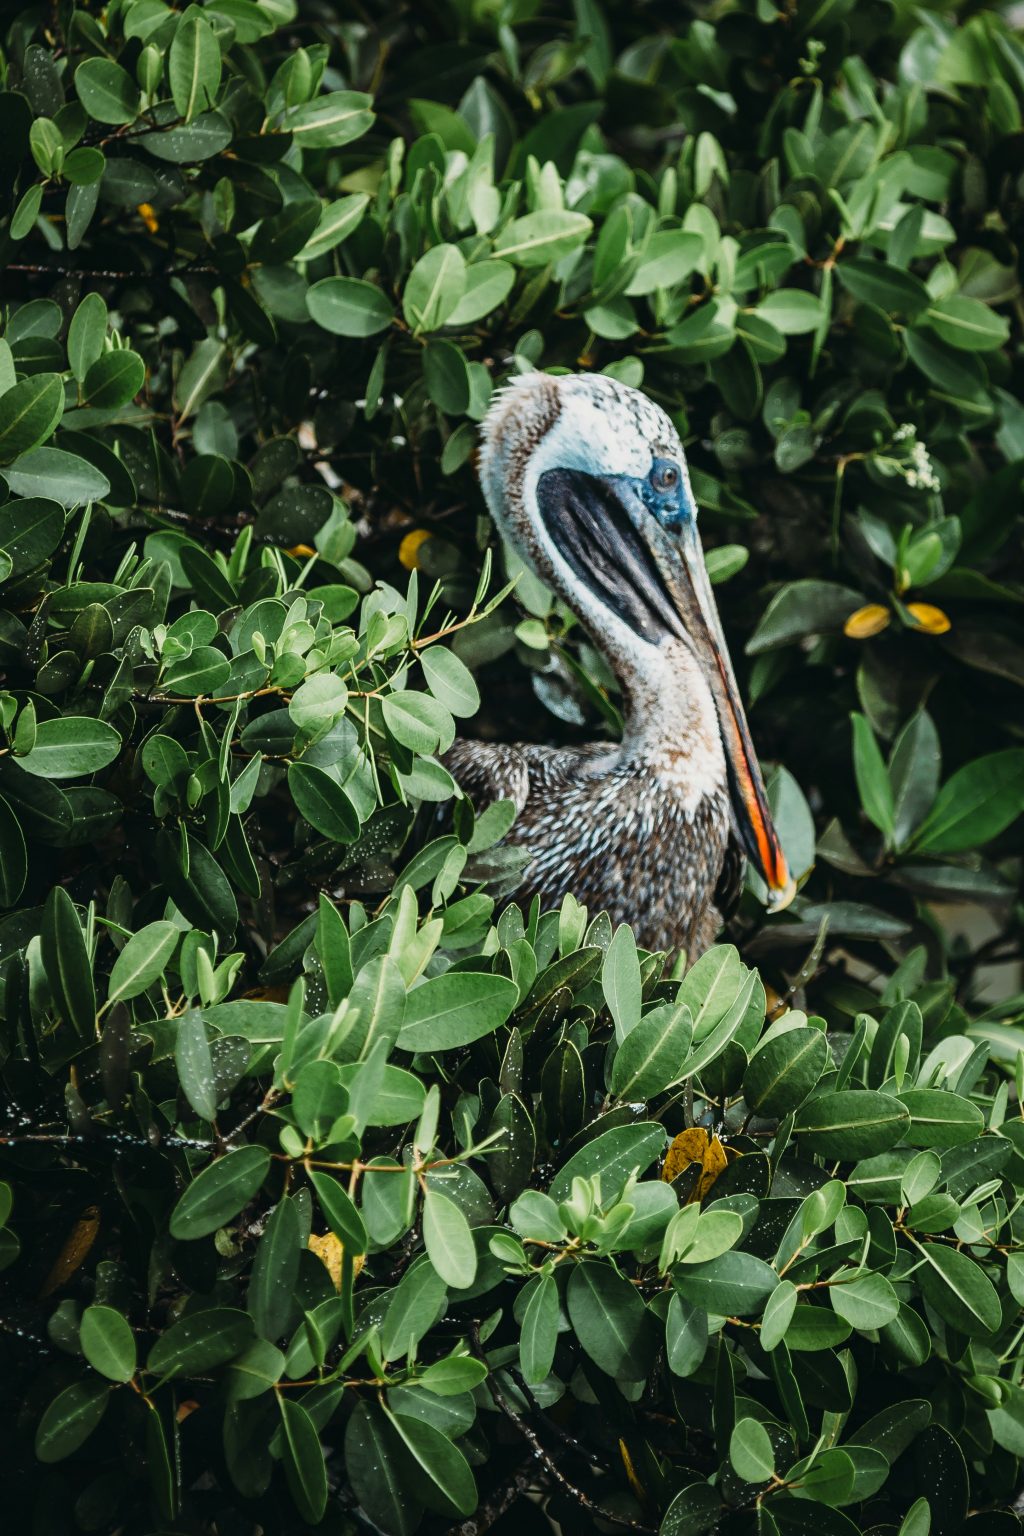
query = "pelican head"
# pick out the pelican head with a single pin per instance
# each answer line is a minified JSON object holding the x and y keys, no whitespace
{"x":588,"y":481}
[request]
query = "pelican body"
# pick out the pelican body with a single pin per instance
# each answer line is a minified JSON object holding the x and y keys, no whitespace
{"x":586,"y":478}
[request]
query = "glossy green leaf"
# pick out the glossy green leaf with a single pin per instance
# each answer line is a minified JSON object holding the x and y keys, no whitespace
{"x":108,"y":1343}
{"x":219,"y":1192}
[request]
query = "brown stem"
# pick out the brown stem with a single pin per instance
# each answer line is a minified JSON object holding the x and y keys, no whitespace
{"x":499,"y":1503}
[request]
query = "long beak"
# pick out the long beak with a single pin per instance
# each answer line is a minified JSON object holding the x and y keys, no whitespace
{"x":655,"y":581}
{"x":680,"y":563}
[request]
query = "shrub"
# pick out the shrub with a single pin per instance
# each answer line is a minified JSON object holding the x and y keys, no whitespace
{"x":324,"y":1171}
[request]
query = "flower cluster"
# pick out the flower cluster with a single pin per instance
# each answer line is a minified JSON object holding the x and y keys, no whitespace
{"x":912,"y":461}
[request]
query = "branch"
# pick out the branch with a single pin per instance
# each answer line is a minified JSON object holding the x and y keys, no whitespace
{"x":545,"y":1458}
{"x":499,"y":1503}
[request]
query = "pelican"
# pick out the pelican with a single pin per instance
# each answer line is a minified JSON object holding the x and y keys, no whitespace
{"x":587,"y":480}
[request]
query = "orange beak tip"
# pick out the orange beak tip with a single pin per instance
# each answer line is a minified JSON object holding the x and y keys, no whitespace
{"x":780,"y":896}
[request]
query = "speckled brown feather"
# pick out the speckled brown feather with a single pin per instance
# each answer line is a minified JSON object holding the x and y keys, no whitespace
{"x":609,"y":830}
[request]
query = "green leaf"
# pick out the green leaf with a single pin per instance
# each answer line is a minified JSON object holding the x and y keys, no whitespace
{"x":750,"y":1451}
{"x":219,"y":1192}
{"x":446,"y":375}
{"x":959,"y":1290}
{"x":70,"y":1419}
{"x":68,"y":963}
{"x":304,"y":1463}
{"x":323,"y":802}
{"x":890,"y":288}
{"x":620,"y":981}
{"x":827,"y":1479}
{"x":271,"y":1299}
{"x":615,"y":1154}
{"x":434,"y":288}
{"x":444,"y":1478}
{"x":735,"y":1283}
{"x":413,"y":1307}
{"x":204,"y":670}
{"x":32,"y":530}
{"x":348,"y":306}
{"x":114,"y":380}
{"x":455,"y":1009}
{"x":453,"y":1376}
{"x":338,"y":220}
{"x":108,"y":1343}
{"x":538,"y":1334}
{"x":201,"y":1341}
{"x":450,"y":681}
{"x":29,"y":413}
{"x":806,"y":607}
{"x":694,"y":1509}
{"x":194,"y":65}
{"x":330,"y":121}
{"x":868,"y":1302}
{"x":914,"y":773}
{"x":652,"y":1054}
{"x":791,"y":311}
{"x":851,"y":1123}
{"x":784,"y":1072}
{"x":86,"y":334}
{"x":611,"y":1321}
{"x":69,"y":747}
{"x":537,"y":239}
{"x":967,"y":323}
{"x":488,"y":284}
{"x":340,"y":1212}
{"x":377,"y":1465}
{"x":142,"y":961}
{"x":448,"y":1240}
{"x":939,"y":1118}
{"x":202,"y":372}
{"x":107,"y":92}
{"x":669,"y":257}
{"x":975,"y":805}
{"x":194,"y":1061}
{"x":201,"y":139}
{"x":873,"y":786}
{"x":13,"y":856}
{"x":62,"y":477}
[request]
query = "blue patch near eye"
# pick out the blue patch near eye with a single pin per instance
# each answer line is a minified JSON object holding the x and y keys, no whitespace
{"x":666,"y":495}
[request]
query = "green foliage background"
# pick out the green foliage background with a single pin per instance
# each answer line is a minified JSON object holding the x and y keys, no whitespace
{"x":265,"y":265}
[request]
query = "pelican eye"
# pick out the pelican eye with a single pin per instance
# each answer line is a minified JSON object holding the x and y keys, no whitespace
{"x":664,"y":493}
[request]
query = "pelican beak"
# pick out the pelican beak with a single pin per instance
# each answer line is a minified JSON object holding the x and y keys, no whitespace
{"x":653,"y":578}
{"x":680,"y":562}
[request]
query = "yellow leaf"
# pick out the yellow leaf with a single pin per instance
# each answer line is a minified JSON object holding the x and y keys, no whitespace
{"x":929,"y":619}
{"x":688,"y":1147}
{"x":75,"y":1250}
{"x":867,"y":621}
{"x":696,"y":1146}
{"x":631,"y":1477}
{"x":716,"y":1161}
{"x":775,"y":1006}
{"x":330,"y":1250}
{"x":409,"y":548}
{"x":301,"y":551}
{"x":148,"y":217}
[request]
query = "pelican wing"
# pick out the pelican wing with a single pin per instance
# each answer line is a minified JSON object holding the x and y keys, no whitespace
{"x":488,"y":770}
